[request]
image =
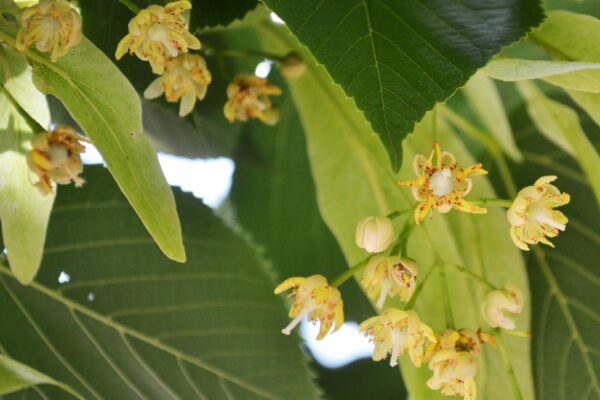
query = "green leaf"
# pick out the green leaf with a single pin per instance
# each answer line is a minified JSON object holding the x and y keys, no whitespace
{"x":106,"y":107}
{"x":208,"y":13}
{"x":491,"y":112}
{"x":353,"y":180}
{"x":560,"y":124}
{"x":573,"y":37}
{"x":15,"y":376}
{"x":274,"y":199}
{"x":24,"y":211}
{"x":569,"y":75}
{"x":564,"y":280}
{"x":129,"y":323}
{"x":396,"y":59}
{"x":359,"y":380}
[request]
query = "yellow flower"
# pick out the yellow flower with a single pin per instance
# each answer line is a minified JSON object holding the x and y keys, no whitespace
{"x":453,"y":373}
{"x":158,"y":33}
{"x":314,"y":298}
{"x":500,"y":307}
{"x":390,"y":276}
{"x":56,"y":157}
{"x":442,"y":185}
{"x":185,"y":78}
{"x":374,"y":234}
{"x":532,"y":216}
{"x":397,"y":332}
{"x":249,"y":98}
{"x":53,"y":25}
{"x":454,"y":364}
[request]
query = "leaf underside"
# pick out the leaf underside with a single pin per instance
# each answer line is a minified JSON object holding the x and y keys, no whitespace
{"x":149,"y":327}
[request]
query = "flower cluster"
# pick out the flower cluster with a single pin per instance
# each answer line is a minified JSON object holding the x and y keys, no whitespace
{"x":388,"y":273}
{"x":52,"y":25}
{"x":55,"y":157}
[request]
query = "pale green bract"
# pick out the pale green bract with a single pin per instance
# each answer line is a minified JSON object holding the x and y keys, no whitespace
{"x":354,"y":180}
{"x":107,"y":108}
{"x":24,"y":211}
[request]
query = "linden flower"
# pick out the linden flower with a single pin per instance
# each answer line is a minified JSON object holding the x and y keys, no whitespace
{"x":500,"y":307}
{"x":53,"y":25}
{"x":158,"y":33}
{"x":532,"y":216}
{"x":453,"y":362}
{"x":442,"y":185}
{"x":390,"y":276}
{"x":186,"y":78}
{"x":374,"y":234}
{"x":56,"y":157}
{"x":396,"y":332}
{"x":317,"y":300}
{"x":249,"y":98}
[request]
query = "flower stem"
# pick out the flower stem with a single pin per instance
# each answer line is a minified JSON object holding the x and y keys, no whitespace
{"x":242,"y":53}
{"x":446,"y":296}
{"x":509,"y":369}
{"x":473,"y":275}
{"x":129,"y":4}
{"x":344,"y":276}
{"x":518,"y":333}
{"x":506,"y":203}
{"x":33,"y":124}
{"x":411,"y":303}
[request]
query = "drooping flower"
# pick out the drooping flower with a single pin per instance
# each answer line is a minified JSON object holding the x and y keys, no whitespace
{"x":158,"y":33}
{"x":56,"y":157}
{"x":396,"y":332}
{"x":52,"y":25}
{"x":390,"y":276}
{"x":453,"y":362}
{"x":374,"y":234}
{"x":248,"y":97}
{"x":532,"y":216}
{"x":185,"y":78}
{"x":500,"y":307}
{"x":315,"y":298}
{"x":442,"y":184}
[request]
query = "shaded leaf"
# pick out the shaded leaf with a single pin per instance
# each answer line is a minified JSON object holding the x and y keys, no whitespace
{"x":208,"y":13}
{"x":560,"y":124}
{"x":15,"y":376}
{"x":149,"y":327}
{"x":398,"y":58}
{"x":106,"y":107}
{"x":353,"y":180}
{"x":24,"y":211}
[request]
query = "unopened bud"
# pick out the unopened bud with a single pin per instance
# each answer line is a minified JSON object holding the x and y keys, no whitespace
{"x":374,"y":234}
{"x":292,"y":66}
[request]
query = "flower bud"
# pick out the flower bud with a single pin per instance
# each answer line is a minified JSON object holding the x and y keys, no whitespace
{"x":374,"y":234}
{"x":292,"y":66}
{"x":500,"y":307}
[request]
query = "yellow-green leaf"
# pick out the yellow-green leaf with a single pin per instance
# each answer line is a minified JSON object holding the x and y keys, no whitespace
{"x":560,"y":124}
{"x":24,"y":211}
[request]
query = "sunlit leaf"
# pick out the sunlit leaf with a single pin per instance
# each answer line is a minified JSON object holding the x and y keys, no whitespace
{"x":491,"y":112}
{"x":353,"y":180}
{"x":113,"y":319}
{"x":560,"y":124}
{"x":569,"y":75}
{"x":106,"y":107}
{"x":24,"y":211}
